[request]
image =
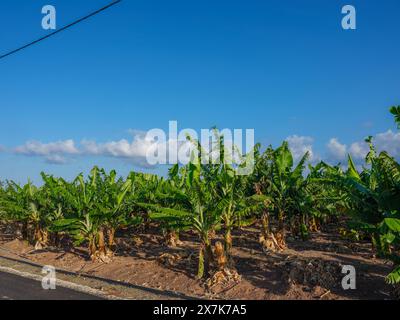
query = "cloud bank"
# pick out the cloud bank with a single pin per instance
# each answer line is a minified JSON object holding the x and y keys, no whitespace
{"x":53,"y":152}
{"x":136,"y":150}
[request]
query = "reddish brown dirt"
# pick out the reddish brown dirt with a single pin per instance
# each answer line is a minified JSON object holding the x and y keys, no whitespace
{"x":306,"y":270}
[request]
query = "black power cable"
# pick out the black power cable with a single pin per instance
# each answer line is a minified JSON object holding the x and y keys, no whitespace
{"x":61,"y":29}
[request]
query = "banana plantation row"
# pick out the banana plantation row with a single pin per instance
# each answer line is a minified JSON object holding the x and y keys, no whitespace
{"x":209,"y":199}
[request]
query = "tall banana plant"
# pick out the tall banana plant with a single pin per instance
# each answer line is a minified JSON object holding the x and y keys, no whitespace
{"x":195,"y":209}
{"x":95,"y":209}
{"x":233,"y":205}
{"x":30,"y":206}
{"x":14,"y":205}
{"x":374,"y":202}
{"x":84,"y":222}
{"x":285,"y":186}
{"x":328,"y":202}
{"x":112,"y":205}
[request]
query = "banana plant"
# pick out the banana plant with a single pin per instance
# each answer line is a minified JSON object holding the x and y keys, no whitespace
{"x":395,"y":111}
{"x":33,"y":207}
{"x":23,"y":204}
{"x":171,"y":194}
{"x":195,"y":210}
{"x":235,"y":208}
{"x":112,"y":205}
{"x":150,"y":189}
{"x":85,"y":222}
{"x":326,"y":201}
{"x":374,"y":202}
{"x":285,"y":186}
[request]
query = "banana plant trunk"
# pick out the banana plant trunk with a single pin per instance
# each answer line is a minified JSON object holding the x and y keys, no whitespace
{"x":200,"y":268}
{"x":92,"y":247}
{"x":40,"y":236}
{"x":205,"y":258}
{"x":37,"y":234}
{"x":111,"y":237}
{"x":56,"y":239}
{"x":314,"y":225}
{"x":172,"y":238}
{"x":282,"y":232}
{"x":265,"y":224}
{"x":228,"y":242}
{"x":24,"y":230}
{"x":101,"y":242}
{"x":209,"y":258}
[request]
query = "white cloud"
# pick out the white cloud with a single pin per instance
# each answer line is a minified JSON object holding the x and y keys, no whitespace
{"x":336,"y":150}
{"x":37,"y":148}
{"x":299,"y":145}
{"x":56,"y":159}
{"x":142,"y":151}
{"x":135,"y":151}
{"x":359,"y":150}
{"x":388,"y":141}
{"x":53,"y":152}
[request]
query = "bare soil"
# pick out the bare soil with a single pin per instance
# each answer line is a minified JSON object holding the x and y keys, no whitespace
{"x":305,"y":270}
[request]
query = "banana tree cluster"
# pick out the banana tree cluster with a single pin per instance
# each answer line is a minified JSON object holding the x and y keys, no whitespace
{"x":33,"y":209}
{"x":204,"y":197}
{"x":374,"y":204}
{"x":370,"y":196}
{"x":98,"y":207}
{"x":210,"y":198}
{"x":284,"y":187}
{"x":87,"y":210}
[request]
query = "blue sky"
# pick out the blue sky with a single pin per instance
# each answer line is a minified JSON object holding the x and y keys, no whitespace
{"x":285,"y":68}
